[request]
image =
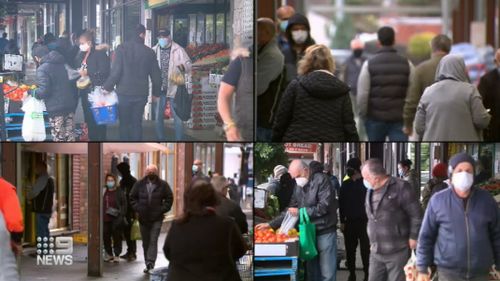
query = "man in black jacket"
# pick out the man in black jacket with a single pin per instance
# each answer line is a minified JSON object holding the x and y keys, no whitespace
{"x":126,"y":184}
{"x":353,"y":217}
{"x":151,"y":197}
{"x":227,"y":207}
{"x":394,"y":219}
{"x":131,"y":69}
{"x":42,"y":195}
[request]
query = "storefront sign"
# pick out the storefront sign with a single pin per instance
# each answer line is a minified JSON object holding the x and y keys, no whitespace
{"x":300,"y":147}
{"x":155,"y":3}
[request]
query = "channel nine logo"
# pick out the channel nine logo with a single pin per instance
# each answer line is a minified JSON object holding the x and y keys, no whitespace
{"x":54,"y":251}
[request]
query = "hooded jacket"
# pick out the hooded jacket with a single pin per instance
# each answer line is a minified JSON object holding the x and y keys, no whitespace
{"x":452,"y":108}
{"x":315,"y":107}
{"x":53,"y":86}
{"x":489,"y":87}
{"x":126,"y":184}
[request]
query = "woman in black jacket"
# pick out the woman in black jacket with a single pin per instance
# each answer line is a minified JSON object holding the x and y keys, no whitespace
{"x":202,"y":245}
{"x":315,"y":106}
{"x":115,"y":209}
{"x":94,"y":63}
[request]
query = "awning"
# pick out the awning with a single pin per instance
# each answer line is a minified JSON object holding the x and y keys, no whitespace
{"x":81,"y":148}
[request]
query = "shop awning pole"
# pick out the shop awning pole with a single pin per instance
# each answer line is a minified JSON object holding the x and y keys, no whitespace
{"x":95,"y":266}
{"x":3,"y":134}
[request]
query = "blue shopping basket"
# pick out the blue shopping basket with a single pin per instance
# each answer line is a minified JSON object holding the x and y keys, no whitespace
{"x":105,"y":115}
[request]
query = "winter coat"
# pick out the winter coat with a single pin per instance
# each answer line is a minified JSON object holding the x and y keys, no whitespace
{"x":352,"y":196}
{"x":178,"y":57}
{"x":204,"y":248}
{"x":451,"y":109}
{"x":319,"y":199}
{"x":351,"y":72}
{"x":11,"y":210}
{"x":397,"y":219}
{"x":161,"y":200}
{"x":98,"y":64}
{"x":423,"y":77}
{"x":489,"y":88}
{"x":432,"y":187}
{"x":53,"y":85}
{"x":7,"y":259}
{"x":44,"y":201}
{"x":121,"y":205}
{"x":461,"y":241}
{"x":315,"y":107}
{"x":228,"y":208}
{"x":126,"y":184}
{"x":133,"y":65}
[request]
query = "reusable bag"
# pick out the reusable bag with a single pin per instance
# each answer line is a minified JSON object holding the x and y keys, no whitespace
{"x":135,"y":231}
{"x":33,"y":128}
{"x":410,"y":268}
{"x":307,"y":237}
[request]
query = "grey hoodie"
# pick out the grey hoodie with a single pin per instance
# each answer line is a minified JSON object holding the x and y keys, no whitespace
{"x":8,"y":267}
{"x":451,"y":109}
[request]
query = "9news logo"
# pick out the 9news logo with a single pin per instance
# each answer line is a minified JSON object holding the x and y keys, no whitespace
{"x":54,"y":250}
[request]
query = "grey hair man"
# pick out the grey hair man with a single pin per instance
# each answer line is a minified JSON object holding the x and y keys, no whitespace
{"x":227,"y":207}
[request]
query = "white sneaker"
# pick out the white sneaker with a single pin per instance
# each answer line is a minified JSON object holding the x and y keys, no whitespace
{"x":108,"y":258}
{"x":116,"y":259}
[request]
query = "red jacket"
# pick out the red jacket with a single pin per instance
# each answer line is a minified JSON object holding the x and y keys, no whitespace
{"x":10,"y":207}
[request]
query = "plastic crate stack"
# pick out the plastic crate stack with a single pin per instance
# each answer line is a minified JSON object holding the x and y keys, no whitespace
{"x":276,"y":268}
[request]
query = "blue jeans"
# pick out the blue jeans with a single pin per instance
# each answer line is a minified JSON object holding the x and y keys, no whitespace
{"x":264,"y":134}
{"x":160,"y":126}
{"x":324,"y":266}
{"x":42,"y":225}
{"x":379,"y":130}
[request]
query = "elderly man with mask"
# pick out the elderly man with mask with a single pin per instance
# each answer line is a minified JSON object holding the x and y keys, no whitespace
{"x":316,"y":194}
{"x":151,"y":197}
{"x":283,"y":13}
{"x":461,"y":228}
{"x":271,"y":75}
{"x":394,"y":218}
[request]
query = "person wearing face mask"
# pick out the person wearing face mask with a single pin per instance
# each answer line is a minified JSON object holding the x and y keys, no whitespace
{"x":151,"y":197}
{"x":394,"y":218}
{"x":353,"y":218}
{"x":283,"y":14}
{"x":133,"y":65}
{"x":171,"y":58}
{"x":115,"y":209}
{"x":197,"y":170}
{"x":42,"y":196}
{"x":315,"y":193}
{"x":93,"y":62}
{"x":298,"y":34}
{"x":461,"y":228}
{"x":410,"y":175}
{"x":489,"y":88}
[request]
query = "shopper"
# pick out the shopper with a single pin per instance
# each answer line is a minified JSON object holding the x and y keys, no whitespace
{"x":115,"y":210}
{"x":3,"y":42}
{"x":283,"y":14}
{"x":200,"y":244}
{"x":94,"y":63}
{"x":234,"y":191}
{"x":451,"y":109}
{"x":274,"y":183}
{"x":11,"y":48}
{"x":423,"y":77}
{"x":172,"y":58}
{"x":10,"y":208}
{"x":461,"y":228}
{"x":42,"y":194}
{"x":298,"y":34}
{"x":285,"y":191}
{"x":198,"y":171}
{"x":151,"y":197}
{"x":226,"y":207}
{"x":353,"y":68}
{"x":394,"y":218}
{"x":126,"y":183}
{"x":353,"y":218}
{"x":54,"y":89}
{"x":8,"y":266}
{"x":238,"y":83}
{"x":489,"y":88}
{"x":435,"y":184}
{"x":328,"y":170}
{"x":316,"y":194}
{"x":410,"y":175}
{"x":316,"y":106}
{"x":382,"y":87}
{"x":133,"y":65}
{"x":271,"y":77}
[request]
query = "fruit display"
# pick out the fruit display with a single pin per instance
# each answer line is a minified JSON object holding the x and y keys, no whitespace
{"x":221,"y":57}
{"x":15,"y":92}
{"x":271,"y":236}
{"x":196,"y":53}
{"x":492,"y":187}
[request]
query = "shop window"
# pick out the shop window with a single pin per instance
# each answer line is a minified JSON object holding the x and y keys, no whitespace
{"x":181,"y":31}
{"x":59,"y":170}
{"x":200,"y":30}
{"x":206,"y":153}
{"x":192,"y":30}
{"x":220,"y":25}
{"x":209,"y":22}
{"x":131,"y":17}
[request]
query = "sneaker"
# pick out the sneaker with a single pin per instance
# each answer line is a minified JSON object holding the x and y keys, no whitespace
{"x":131,"y":257}
{"x":116,"y":259}
{"x":108,"y":258}
{"x":125,"y":257}
{"x":149,"y":268}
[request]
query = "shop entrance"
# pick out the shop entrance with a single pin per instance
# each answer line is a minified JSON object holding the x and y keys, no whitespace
{"x":181,"y":31}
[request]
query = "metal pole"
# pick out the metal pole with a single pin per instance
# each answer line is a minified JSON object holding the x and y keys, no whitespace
{"x":95,"y":266}
{"x":3,"y":133}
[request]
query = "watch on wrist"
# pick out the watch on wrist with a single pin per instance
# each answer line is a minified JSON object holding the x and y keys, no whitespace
{"x":228,"y":126}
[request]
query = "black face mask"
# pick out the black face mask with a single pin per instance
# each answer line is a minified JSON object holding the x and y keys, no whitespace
{"x":357,"y":53}
{"x":151,"y":177}
{"x":350,"y":171}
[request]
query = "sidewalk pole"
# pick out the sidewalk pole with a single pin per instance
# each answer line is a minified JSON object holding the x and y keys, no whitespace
{"x":95,"y":266}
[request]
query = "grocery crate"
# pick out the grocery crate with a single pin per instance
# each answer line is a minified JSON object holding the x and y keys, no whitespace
{"x":276,"y":268}
{"x":105,"y":115}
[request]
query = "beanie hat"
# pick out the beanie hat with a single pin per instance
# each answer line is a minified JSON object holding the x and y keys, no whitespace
{"x":439,"y":170}
{"x":279,"y":171}
{"x":460,"y":158}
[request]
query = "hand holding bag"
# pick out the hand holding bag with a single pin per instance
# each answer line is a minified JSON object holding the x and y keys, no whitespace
{"x":135,"y":231}
{"x":307,"y":237}
{"x":410,"y":268}
{"x":168,"y":110}
{"x":288,"y":223}
{"x":33,"y":128}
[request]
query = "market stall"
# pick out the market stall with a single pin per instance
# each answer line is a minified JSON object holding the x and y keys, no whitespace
{"x":493,"y":187}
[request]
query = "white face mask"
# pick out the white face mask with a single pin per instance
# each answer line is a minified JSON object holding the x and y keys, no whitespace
{"x":84,"y":47}
{"x":301,"y":181}
{"x":299,"y":36}
{"x":462,"y":181}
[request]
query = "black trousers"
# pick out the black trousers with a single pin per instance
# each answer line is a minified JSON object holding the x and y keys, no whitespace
{"x":112,"y":239}
{"x":355,"y":231}
{"x":130,"y":113}
{"x":131,"y":244}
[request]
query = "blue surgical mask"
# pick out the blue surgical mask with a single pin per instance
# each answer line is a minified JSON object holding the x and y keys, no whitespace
{"x":52,"y":46}
{"x":110,"y":184}
{"x":283,"y":25}
{"x":367,"y":184}
{"x":163,"y":42}
{"x":195,"y":168}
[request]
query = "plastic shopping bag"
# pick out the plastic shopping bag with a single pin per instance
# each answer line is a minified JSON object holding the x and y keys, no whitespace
{"x":494,"y":274}
{"x":33,"y":128}
{"x":168,"y":111}
{"x":410,"y":268}
{"x":135,"y":231}
{"x":98,"y":99}
{"x":307,"y":237}
{"x":288,"y":223}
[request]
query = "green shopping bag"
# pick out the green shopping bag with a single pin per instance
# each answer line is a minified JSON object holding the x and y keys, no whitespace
{"x":307,"y":237}
{"x":135,"y":231}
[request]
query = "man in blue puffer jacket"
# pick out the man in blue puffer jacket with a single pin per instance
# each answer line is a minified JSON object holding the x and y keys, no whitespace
{"x":461,"y":228}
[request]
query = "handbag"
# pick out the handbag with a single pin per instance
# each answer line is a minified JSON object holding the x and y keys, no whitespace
{"x":307,"y":237}
{"x":183,"y":100}
{"x":113,"y":212}
{"x":84,"y":82}
{"x":135,"y":231}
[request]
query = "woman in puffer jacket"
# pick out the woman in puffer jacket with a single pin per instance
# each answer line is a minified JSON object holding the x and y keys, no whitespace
{"x":316,"y":105}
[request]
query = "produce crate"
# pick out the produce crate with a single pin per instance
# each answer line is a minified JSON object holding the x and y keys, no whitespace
{"x":276,"y":268}
{"x":287,"y":249}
